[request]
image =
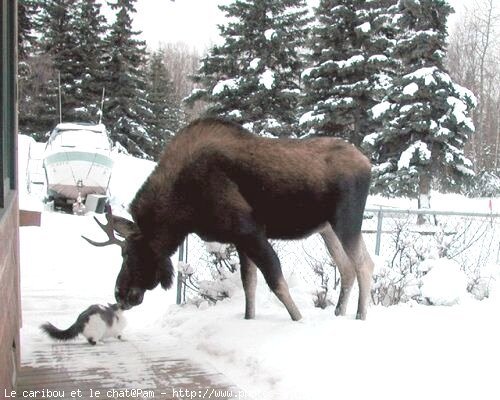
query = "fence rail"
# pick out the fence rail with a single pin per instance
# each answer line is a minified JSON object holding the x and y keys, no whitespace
{"x":389,"y":210}
{"x":384,"y":212}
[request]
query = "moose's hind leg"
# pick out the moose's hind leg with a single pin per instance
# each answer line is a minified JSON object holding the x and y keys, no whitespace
{"x":364,"y":272}
{"x":249,"y":279}
{"x":353,"y":261}
{"x":344,"y":264}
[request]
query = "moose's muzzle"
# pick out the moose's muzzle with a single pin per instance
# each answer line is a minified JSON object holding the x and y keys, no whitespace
{"x":129,"y":298}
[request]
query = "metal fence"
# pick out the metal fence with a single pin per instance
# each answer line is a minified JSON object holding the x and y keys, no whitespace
{"x":391,"y":235}
{"x":471,"y":239}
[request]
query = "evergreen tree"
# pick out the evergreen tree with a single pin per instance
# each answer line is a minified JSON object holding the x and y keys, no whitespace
{"x":28,"y":84}
{"x":254,"y":77}
{"x":126,"y":108}
{"x":166,"y":115}
{"x":90,"y":28}
{"x":47,"y":58}
{"x":425,"y":115}
{"x":26,"y":11}
{"x":351,"y":49}
{"x":69,"y":52}
{"x":59,"y":43}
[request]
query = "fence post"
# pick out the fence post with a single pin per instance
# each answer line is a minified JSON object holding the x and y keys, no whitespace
{"x":182,"y":252}
{"x":498,"y":253}
{"x":380,"y":216}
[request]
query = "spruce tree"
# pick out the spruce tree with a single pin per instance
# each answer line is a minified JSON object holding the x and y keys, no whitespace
{"x":254,"y":77}
{"x":425,"y":115}
{"x":50,"y":61}
{"x":26,"y":11}
{"x":125,"y":107}
{"x":28,"y":84}
{"x":166,"y":115}
{"x":90,"y":28}
{"x":350,"y":57}
{"x":57,"y":22}
{"x":68,"y":52}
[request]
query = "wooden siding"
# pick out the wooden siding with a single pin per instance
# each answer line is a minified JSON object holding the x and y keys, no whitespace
{"x":10,"y":308}
{"x":9,"y":294}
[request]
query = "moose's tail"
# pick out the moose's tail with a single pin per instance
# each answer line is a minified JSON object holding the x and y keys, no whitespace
{"x":67,"y":334}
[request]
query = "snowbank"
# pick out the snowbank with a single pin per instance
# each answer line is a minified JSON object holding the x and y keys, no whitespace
{"x":28,"y":149}
{"x":411,"y":352}
{"x":445,"y":284}
{"x":129,"y":173}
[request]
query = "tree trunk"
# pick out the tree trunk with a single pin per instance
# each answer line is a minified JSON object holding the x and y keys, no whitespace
{"x":424,"y":195}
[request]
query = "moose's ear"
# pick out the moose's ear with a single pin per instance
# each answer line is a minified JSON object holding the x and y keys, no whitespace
{"x":123,"y":226}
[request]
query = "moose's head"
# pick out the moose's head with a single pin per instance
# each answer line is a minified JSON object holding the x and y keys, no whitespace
{"x":142,"y":268}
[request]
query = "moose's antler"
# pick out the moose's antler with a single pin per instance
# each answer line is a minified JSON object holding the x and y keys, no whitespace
{"x":108,"y":228}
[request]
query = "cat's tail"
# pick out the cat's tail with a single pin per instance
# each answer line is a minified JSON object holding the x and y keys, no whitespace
{"x":58,"y":334}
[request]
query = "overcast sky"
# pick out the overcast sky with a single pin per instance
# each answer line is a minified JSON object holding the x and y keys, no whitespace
{"x":195,"y":21}
{"x":191,"y":21}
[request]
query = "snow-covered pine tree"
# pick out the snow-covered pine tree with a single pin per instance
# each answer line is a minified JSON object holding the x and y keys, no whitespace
{"x":254,"y":77}
{"x":425,"y":115}
{"x":90,"y":28}
{"x":125,"y":106}
{"x":70,"y":35}
{"x":57,"y":46}
{"x":26,"y":10}
{"x":351,"y":67}
{"x":28,"y":84}
{"x":166,"y":114}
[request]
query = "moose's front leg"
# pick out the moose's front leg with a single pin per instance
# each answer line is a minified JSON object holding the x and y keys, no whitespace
{"x":249,"y":279}
{"x":258,"y":249}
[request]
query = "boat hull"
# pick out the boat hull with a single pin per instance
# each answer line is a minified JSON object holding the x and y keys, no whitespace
{"x":71,"y":173}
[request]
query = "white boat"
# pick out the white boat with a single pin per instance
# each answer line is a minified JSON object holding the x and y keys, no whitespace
{"x":77,"y":161}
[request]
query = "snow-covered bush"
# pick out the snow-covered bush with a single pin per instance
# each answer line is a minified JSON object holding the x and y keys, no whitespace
{"x":445,"y":283}
{"x":223,"y":264}
{"x":221,"y":251}
{"x":486,"y":283}
{"x":393,"y":285}
{"x":426,"y":264}
{"x":396,"y":279}
{"x":322,"y":296}
{"x":223,"y":287}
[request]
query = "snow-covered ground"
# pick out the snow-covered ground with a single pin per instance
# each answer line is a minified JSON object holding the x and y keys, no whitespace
{"x":408,"y":351}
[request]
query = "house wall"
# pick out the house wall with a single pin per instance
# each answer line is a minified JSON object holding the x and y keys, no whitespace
{"x":10,"y":307}
{"x":10,"y":303}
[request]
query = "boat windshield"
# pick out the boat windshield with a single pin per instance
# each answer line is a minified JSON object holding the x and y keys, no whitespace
{"x":80,"y":139}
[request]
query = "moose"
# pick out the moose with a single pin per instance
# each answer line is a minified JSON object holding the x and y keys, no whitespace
{"x":221,"y":182}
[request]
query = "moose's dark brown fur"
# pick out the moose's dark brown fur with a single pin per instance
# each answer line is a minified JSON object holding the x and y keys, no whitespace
{"x":221,"y":182}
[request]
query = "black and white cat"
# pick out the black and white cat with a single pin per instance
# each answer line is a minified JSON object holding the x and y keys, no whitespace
{"x":95,"y":323}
